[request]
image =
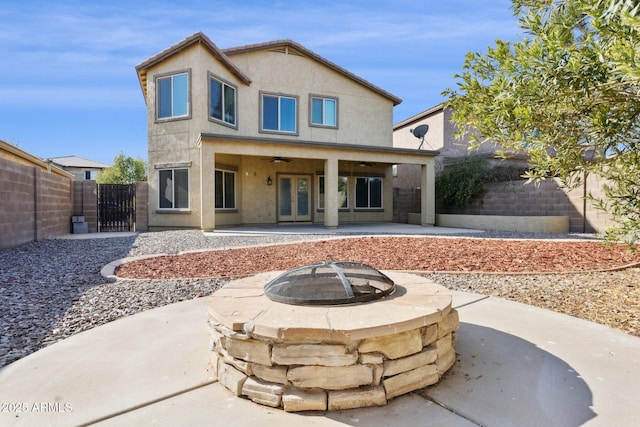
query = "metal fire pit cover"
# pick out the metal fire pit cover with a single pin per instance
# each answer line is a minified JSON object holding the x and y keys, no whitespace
{"x":329,"y":283}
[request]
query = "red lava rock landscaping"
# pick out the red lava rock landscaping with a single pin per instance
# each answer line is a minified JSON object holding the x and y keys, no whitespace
{"x":392,"y":253}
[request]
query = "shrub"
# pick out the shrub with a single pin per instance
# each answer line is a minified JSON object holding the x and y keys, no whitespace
{"x":461,"y":181}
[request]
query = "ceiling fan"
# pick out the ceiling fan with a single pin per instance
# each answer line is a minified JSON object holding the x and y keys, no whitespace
{"x":278,"y":159}
{"x":362,"y":164}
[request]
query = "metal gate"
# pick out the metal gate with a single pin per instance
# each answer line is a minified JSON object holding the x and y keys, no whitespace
{"x":116,"y":207}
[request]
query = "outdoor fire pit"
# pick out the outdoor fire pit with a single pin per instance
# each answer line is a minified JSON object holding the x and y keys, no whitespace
{"x":329,"y":283}
{"x":329,"y":336}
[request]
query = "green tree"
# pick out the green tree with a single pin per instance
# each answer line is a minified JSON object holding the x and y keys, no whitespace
{"x":567,"y":94}
{"x":125,"y":170}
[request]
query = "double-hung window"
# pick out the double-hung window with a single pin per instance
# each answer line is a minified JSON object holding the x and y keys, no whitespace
{"x":368,"y":193}
{"x":279,"y":113}
{"x":225,"y":189}
{"x":172,"y":96}
{"x":343,"y":192}
{"x":324,"y":111}
{"x":173,"y":188}
{"x":222,"y":101}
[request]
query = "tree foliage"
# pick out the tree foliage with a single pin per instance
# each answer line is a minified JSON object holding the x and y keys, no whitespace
{"x":567,"y":94}
{"x":125,"y":170}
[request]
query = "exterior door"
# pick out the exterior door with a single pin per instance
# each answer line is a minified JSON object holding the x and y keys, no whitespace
{"x":116,"y":207}
{"x":294,"y":195}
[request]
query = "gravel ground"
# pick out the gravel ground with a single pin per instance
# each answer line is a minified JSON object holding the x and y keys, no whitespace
{"x":53,"y":289}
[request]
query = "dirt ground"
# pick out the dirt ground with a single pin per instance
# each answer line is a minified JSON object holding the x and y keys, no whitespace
{"x":581,"y":278}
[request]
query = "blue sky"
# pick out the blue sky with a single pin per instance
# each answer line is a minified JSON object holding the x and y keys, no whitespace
{"x":68,"y":84}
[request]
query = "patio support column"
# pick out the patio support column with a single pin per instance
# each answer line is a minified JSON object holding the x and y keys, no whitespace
{"x":428,"y":193}
{"x":207,"y":187}
{"x":331,"y":193}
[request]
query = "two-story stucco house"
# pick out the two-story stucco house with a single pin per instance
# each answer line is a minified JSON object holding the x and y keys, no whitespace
{"x":268,"y":133}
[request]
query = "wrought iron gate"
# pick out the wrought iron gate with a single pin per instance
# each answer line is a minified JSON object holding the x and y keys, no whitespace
{"x":116,"y":207}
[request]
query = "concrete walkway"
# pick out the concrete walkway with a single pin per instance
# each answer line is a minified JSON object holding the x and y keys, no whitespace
{"x":517,"y":366}
{"x":388,"y":228}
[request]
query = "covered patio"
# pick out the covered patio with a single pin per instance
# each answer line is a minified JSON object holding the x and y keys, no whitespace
{"x":282,"y":182}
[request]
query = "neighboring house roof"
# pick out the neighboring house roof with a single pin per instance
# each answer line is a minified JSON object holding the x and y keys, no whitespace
{"x":77,"y":162}
{"x":223,"y":56}
{"x":419,"y":116}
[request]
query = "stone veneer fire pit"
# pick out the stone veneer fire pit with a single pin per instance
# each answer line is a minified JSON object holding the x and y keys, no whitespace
{"x":331,"y":357}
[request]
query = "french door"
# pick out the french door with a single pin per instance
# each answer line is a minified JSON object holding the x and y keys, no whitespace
{"x":294,"y":198}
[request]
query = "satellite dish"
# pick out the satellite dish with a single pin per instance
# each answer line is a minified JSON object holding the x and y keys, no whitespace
{"x":420,"y":132}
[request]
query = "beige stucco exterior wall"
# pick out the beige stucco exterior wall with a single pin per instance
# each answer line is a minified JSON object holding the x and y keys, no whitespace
{"x":364,"y":119}
{"x":79,"y":173}
{"x":258,"y":202}
{"x":441,"y":136}
{"x":176,"y":141}
{"x":434,"y":138}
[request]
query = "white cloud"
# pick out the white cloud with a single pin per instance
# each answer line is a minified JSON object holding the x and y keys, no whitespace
{"x":64,"y":49}
{"x":43,"y":96}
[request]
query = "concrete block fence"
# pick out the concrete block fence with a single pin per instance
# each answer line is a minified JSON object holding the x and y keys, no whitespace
{"x":37,"y":200}
{"x":34,"y":203}
{"x":514,"y":198}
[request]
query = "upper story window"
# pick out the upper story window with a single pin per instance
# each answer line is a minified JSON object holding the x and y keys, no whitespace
{"x":279,"y":113}
{"x":172,"y":96}
{"x":222,"y":101}
{"x":324,"y":111}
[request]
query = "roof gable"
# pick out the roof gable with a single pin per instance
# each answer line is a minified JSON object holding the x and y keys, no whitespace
{"x":223,"y":55}
{"x":417,"y":117}
{"x":198,"y":37}
{"x":291,"y":47}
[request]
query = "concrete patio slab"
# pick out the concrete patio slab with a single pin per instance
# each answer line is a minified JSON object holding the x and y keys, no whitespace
{"x":214,"y":405}
{"x":109,"y":369}
{"x":383,"y":228}
{"x":517,"y":366}
{"x":102,"y":235}
{"x":520,"y":365}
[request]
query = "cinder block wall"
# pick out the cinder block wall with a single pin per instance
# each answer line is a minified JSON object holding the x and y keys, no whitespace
{"x":53,"y":208}
{"x":85,"y":202}
{"x":142,"y":206}
{"x":34,"y":204}
{"x":516,"y":198}
{"x":405,"y":200}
